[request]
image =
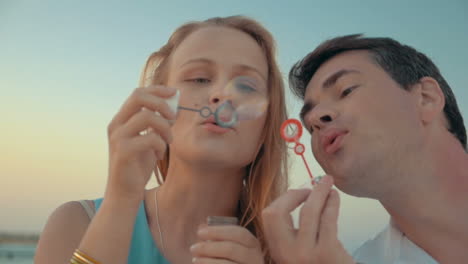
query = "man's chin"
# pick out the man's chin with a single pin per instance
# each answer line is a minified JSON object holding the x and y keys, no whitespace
{"x":351,"y":186}
{"x":343,"y":181}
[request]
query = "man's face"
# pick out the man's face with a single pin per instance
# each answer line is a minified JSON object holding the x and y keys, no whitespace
{"x":362,"y":123}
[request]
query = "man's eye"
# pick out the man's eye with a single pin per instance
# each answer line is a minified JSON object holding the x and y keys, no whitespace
{"x":347,"y":91}
{"x":309,"y":128}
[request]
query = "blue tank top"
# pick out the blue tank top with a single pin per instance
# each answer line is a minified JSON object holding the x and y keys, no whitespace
{"x":142,"y":248}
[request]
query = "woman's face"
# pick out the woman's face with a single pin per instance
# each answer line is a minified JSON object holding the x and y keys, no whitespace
{"x":200,"y":68}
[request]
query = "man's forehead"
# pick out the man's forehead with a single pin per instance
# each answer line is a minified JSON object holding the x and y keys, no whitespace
{"x":311,"y":89}
{"x":346,"y":61}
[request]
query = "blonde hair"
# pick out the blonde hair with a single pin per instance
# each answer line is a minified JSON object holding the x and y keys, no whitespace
{"x":266,"y":177}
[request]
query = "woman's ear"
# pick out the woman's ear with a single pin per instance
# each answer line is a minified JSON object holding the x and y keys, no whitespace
{"x":431,"y":100}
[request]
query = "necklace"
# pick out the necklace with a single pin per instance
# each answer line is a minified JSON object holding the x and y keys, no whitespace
{"x":157,"y":221}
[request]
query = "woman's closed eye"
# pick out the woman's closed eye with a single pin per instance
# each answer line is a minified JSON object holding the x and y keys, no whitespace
{"x":199,"y":80}
{"x":245,"y":88}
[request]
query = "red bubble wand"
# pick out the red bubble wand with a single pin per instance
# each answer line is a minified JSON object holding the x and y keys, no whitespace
{"x":291,"y":132}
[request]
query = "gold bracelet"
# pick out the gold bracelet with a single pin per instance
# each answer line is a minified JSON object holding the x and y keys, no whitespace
{"x":81,"y":258}
{"x":74,"y":261}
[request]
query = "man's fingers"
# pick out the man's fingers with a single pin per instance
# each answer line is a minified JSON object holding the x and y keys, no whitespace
{"x":309,"y":216}
{"x":277,"y":220}
{"x":286,"y":203}
{"x":329,"y":219}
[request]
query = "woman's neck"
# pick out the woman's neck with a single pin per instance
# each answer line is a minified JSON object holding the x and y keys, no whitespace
{"x":197,"y":192}
{"x":188,"y":196}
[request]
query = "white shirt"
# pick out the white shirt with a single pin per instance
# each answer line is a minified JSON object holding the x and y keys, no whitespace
{"x":391,"y":246}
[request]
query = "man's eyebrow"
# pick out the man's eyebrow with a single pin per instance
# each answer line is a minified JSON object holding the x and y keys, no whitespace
{"x":330,"y":81}
{"x":308,"y":105}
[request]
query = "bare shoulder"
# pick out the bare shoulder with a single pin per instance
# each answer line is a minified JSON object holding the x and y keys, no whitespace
{"x":70,"y":214}
{"x":62,"y":233}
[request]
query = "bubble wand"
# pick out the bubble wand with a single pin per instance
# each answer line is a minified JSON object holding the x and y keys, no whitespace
{"x":291,"y":132}
{"x":246,"y":101}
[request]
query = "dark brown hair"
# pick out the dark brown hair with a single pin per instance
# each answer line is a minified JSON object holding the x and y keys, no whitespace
{"x":402,"y":63}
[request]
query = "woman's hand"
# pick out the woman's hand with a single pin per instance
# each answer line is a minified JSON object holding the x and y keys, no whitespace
{"x":133,"y":154}
{"x":316,"y":239}
{"x":226,"y":244}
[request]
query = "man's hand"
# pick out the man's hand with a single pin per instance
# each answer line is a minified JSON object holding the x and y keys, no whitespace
{"x":316,"y":239}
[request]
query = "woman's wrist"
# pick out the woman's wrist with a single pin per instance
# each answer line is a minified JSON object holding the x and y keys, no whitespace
{"x":119,"y":202}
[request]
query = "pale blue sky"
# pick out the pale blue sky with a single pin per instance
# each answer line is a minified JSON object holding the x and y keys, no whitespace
{"x":66,"y":67}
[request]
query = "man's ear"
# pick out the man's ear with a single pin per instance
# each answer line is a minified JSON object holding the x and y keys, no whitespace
{"x":431,"y":100}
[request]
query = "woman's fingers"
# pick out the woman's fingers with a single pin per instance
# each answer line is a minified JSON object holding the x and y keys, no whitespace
{"x":127,"y":149}
{"x":152,"y":98}
{"x":227,"y":251}
{"x":202,"y":260}
{"x":231,"y":233}
{"x":218,"y":249}
{"x":142,"y":121}
{"x":151,"y":141}
{"x":230,"y":243}
{"x":137,"y":115}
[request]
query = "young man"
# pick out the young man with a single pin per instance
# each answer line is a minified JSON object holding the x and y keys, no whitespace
{"x":385,"y":125}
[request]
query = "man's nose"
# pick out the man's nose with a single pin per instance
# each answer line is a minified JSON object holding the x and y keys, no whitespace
{"x":321,"y":116}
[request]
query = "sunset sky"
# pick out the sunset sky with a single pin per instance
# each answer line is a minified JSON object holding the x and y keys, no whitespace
{"x":67,"y":66}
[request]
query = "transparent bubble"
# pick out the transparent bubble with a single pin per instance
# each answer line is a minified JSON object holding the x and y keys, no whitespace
{"x":248,"y":97}
{"x":244,"y":99}
{"x":226,"y":115}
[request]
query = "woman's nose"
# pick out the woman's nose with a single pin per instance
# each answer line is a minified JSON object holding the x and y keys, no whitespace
{"x":220,"y":93}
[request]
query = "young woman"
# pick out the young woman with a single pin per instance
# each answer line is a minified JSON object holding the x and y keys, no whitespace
{"x":204,"y":169}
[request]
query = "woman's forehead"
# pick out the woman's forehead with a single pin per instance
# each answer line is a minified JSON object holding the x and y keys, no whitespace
{"x":221,"y":45}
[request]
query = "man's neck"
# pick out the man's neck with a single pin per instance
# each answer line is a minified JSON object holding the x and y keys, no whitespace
{"x":432,"y":210}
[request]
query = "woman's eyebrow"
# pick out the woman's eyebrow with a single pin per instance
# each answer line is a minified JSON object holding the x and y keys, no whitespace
{"x":197,"y":60}
{"x":242,"y":67}
{"x":246,"y":67}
